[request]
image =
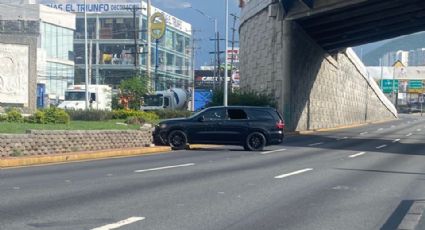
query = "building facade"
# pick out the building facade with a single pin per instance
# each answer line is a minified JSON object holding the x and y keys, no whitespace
{"x":54,"y":31}
{"x":112,"y":50}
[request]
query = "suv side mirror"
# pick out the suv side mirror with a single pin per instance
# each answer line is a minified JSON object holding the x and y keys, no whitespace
{"x":201,"y":118}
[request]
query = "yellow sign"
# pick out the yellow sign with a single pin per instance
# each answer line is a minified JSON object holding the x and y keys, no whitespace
{"x":157,"y":25}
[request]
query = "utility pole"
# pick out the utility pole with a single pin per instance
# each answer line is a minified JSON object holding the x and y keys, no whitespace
{"x":86,"y":55}
{"x":148,"y":58}
{"x":225,"y":59}
{"x":136,"y":52}
{"x":217,"y":53}
{"x":233,"y":47}
{"x":193,"y":69}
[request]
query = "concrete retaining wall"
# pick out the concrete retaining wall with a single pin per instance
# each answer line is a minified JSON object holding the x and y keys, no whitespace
{"x":314,"y":90}
{"x":52,"y":142}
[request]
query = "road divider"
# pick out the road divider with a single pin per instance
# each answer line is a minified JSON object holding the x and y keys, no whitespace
{"x":120,"y":223}
{"x":164,"y":167}
{"x":293,"y":173}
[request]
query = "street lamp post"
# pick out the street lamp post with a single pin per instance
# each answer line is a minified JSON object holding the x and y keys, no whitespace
{"x":225,"y":60}
{"x":86,"y":55}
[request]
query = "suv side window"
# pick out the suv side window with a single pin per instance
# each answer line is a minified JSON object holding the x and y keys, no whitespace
{"x":259,"y":114}
{"x":214,"y":114}
{"x":236,"y":114}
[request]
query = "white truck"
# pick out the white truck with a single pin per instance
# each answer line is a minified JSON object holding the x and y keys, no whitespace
{"x":100,"y":97}
{"x":174,"y":98}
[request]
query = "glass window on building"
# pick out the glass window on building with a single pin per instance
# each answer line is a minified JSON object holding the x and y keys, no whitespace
{"x":116,"y":54}
{"x":179,"y":43}
{"x":117,"y":28}
{"x":170,"y":62}
{"x":186,"y":67}
{"x":179,"y":65}
{"x":91,"y":28}
{"x":187,"y":47}
{"x":169,"y":39}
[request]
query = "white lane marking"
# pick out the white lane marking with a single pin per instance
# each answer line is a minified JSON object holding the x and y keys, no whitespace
{"x":120,"y":223}
{"x":357,"y":154}
{"x":396,"y":140}
{"x":363,"y":133}
{"x":380,"y":129}
{"x":319,"y":143}
{"x":419,"y":130}
{"x":344,"y":138}
{"x":293,"y":173}
{"x":381,"y":146}
{"x":165,"y":167}
{"x":393,"y":126}
{"x":273,"y":151}
{"x":408,"y":135}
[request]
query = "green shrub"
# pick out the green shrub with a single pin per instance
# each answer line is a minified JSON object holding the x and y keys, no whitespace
{"x":38,"y":117}
{"x":249,"y":98}
{"x":168,"y":113}
{"x":14,"y":115}
{"x":124,"y":114}
{"x":135,"y":121}
{"x":55,"y":115}
{"x":3,"y":117}
{"x":90,"y":115}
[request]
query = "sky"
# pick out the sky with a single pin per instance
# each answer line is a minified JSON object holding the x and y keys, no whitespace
{"x":188,"y":10}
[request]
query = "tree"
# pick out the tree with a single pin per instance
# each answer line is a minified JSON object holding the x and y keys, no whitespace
{"x":238,"y":97}
{"x":133,"y":90}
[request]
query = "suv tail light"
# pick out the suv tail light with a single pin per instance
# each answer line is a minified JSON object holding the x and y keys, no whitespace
{"x":280,"y":125}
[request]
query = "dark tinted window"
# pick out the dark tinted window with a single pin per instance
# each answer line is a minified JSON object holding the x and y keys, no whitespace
{"x":259,"y":114}
{"x":214,"y":114}
{"x":236,"y":114}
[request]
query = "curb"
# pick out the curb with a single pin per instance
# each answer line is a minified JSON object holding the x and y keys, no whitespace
{"x":341,"y":127}
{"x":25,"y":161}
{"x":12,"y":162}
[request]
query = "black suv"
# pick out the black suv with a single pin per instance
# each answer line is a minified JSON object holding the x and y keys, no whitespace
{"x":251,"y":127}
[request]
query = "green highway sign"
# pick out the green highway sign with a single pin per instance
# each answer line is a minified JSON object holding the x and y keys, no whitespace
{"x":415,"y":84}
{"x":387,"y":85}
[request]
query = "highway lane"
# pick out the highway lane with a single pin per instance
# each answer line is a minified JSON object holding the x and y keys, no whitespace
{"x":330,"y":180}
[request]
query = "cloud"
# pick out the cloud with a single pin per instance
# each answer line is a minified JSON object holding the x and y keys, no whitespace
{"x":174,"y":4}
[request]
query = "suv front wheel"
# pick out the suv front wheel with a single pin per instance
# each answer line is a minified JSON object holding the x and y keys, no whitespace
{"x":177,"y":140}
{"x":255,"y":142}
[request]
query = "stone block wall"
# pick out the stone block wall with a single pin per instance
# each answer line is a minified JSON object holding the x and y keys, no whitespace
{"x":42,"y":142}
{"x":313,"y":89}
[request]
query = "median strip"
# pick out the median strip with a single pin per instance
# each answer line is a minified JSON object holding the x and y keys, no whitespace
{"x":165,"y":167}
{"x":120,"y":223}
{"x":293,"y":173}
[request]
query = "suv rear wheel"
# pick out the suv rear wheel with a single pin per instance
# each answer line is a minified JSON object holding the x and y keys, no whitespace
{"x":255,"y":141}
{"x":177,"y":140}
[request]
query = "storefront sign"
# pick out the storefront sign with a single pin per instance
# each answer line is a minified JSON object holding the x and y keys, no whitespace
{"x":157,"y":25}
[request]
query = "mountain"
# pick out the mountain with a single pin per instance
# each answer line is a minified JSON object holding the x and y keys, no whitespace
{"x":372,"y":52}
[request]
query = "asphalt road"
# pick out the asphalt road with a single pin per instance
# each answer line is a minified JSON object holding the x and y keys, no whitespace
{"x":370,"y":177}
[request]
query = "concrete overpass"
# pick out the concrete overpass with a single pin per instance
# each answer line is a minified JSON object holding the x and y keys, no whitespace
{"x":296,"y":51}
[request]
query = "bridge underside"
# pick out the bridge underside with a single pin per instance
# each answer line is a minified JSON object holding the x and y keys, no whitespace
{"x":361,"y":23}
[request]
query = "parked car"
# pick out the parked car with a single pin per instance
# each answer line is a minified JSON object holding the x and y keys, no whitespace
{"x":250,"y":127}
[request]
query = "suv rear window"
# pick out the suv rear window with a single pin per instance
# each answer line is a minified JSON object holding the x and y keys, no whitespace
{"x":236,"y":114}
{"x":260,"y":114}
